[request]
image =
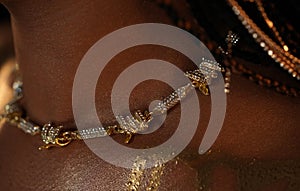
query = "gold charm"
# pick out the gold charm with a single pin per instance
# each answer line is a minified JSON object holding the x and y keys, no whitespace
{"x":130,"y":125}
{"x":203,"y":76}
{"x":53,"y":136}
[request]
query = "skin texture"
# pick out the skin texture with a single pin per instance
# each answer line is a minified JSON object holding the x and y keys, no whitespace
{"x":50,"y":40}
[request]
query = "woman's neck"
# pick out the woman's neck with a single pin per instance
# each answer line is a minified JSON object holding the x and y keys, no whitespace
{"x":50,"y":39}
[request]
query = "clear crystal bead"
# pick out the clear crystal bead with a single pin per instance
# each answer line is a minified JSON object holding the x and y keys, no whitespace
{"x":92,"y":133}
{"x":28,"y":127}
{"x":17,"y":87}
{"x":12,"y":108}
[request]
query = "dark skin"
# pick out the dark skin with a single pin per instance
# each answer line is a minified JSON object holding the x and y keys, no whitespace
{"x":50,"y":40}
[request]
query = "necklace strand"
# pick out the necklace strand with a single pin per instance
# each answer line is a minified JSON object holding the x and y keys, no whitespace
{"x":230,"y":62}
{"x":270,"y":24}
{"x":285,"y":59}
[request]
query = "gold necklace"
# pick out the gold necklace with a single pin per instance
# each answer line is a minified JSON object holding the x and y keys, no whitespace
{"x":286,"y":60}
{"x":55,"y":135}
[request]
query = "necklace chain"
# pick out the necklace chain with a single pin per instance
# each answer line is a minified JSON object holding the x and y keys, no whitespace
{"x":55,"y":135}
